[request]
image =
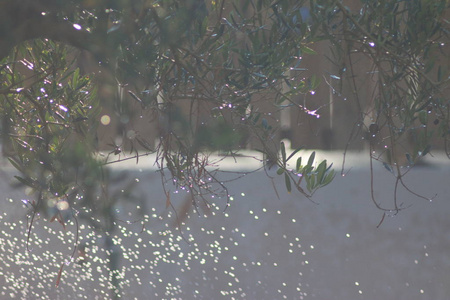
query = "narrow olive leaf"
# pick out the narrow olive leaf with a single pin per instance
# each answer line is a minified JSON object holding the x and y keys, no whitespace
{"x":265,"y":124}
{"x":79,"y":119}
{"x":307,"y":180}
{"x":307,"y":170}
{"x":409,"y":158}
{"x":314,"y":82}
{"x":299,"y":164}
{"x":307,"y":50}
{"x":259,"y":5}
{"x":75,"y":78}
{"x":15,"y":164}
{"x":259,"y":75}
{"x":426,"y":150}
{"x":63,"y":79}
{"x":280,"y":171}
{"x":293,"y":153}
{"x":388,"y":167}
{"x":202,"y":28}
{"x":288,"y":182}
{"x":321,"y":168}
{"x":283,"y":153}
{"x":311,"y":159}
{"x":388,"y":157}
{"x":25,"y":181}
{"x":429,"y":65}
{"x":423,"y":117}
{"x":309,"y":183}
{"x":328,"y":178}
{"x":439,"y":74}
{"x":144,"y":144}
{"x":313,"y":182}
{"x":258,"y":115}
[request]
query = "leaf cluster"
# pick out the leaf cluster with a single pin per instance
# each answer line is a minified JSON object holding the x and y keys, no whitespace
{"x":314,"y":176}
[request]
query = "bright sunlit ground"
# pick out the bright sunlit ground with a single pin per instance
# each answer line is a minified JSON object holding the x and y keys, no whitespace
{"x":261,"y":247}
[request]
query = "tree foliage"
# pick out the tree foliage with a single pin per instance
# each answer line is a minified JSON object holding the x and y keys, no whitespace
{"x":201,"y":69}
{"x":405,"y":43}
{"x":167,"y":56}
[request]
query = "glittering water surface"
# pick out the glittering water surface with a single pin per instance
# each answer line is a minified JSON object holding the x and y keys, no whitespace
{"x":150,"y":255}
{"x":260,"y":247}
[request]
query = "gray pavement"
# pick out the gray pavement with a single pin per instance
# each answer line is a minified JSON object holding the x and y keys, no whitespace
{"x":261,"y":247}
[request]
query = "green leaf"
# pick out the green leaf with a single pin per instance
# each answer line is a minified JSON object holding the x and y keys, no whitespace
{"x":430,"y":64}
{"x":329,"y":167}
{"x":257,"y":116}
{"x":144,"y":144}
{"x":307,"y":50}
{"x":293,"y":153}
{"x":259,"y":75}
{"x":388,"y":158}
{"x":66,"y":75}
{"x":321,"y":171}
{"x":299,"y":164}
{"x":259,"y":5}
{"x":311,"y":182}
{"x":311,"y":159}
{"x":307,"y":170}
{"x":280,"y":171}
{"x":423,"y":117}
{"x":283,"y":153}
{"x":327,"y":180}
{"x":288,"y":182}
{"x":388,"y":167}
{"x":439,"y":74}
{"x":25,"y":181}
{"x":308,"y":183}
{"x":265,"y":124}
{"x":75,"y":78}
{"x":426,"y":150}
{"x":409,"y":159}
{"x":15,"y":164}
{"x":203,"y":27}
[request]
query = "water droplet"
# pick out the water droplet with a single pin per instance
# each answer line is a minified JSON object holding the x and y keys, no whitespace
{"x":105,"y":120}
